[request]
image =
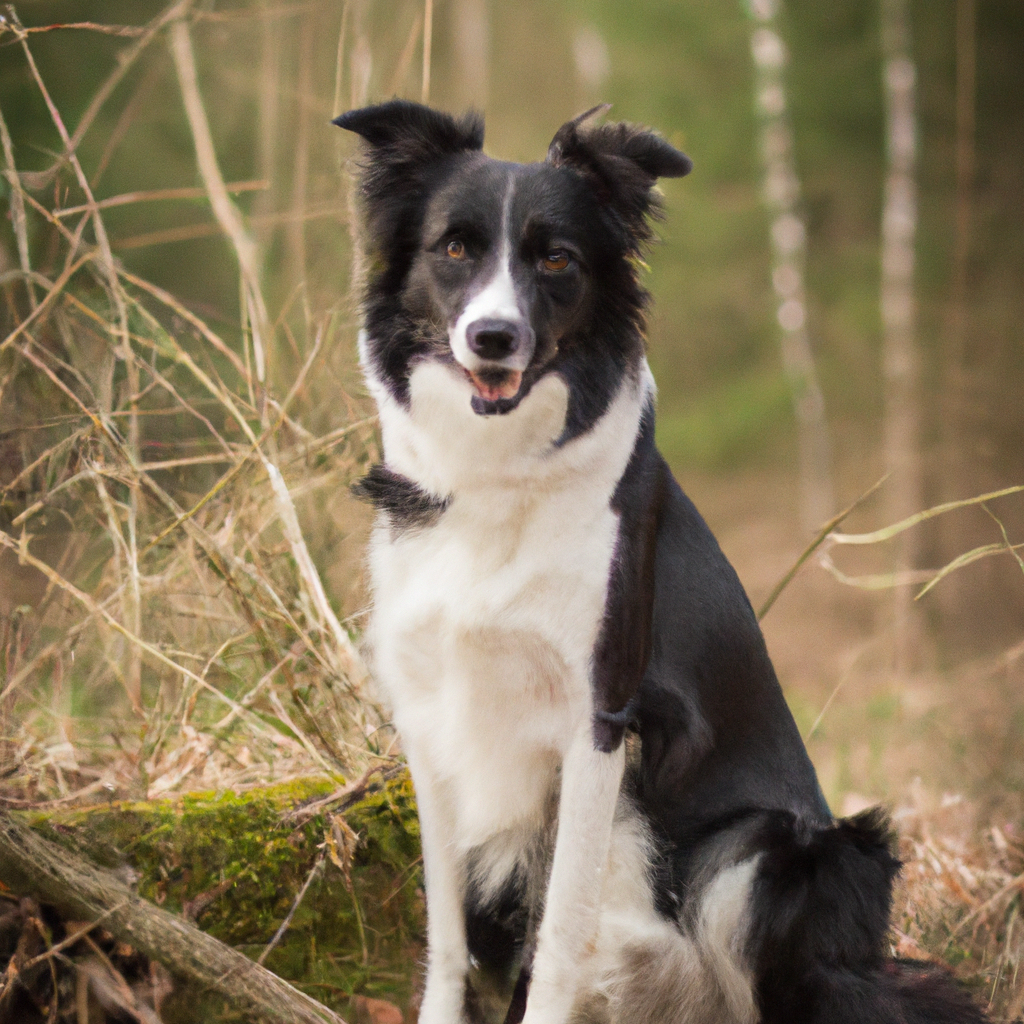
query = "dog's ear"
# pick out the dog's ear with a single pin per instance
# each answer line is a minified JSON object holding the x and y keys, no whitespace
{"x":621,"y":161}
{"x":409,"y":133}
{"x":406,"y":140}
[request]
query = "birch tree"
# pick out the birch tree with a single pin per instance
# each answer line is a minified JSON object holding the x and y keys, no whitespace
{"x":900,"y":357}
{"x":781,"y":195}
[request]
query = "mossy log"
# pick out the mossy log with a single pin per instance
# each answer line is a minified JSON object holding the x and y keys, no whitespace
{"x":334,"y":882}
{"x":31,"y":865}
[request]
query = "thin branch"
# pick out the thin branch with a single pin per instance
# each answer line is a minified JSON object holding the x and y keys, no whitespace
{"x":73,"y":937}
{"x":124,"y":65}
{"x":888,"y":532}
{"x":58,"y":287}
{"x":428,"y":36}
{"x":17,"y":208}
{"x":819,"y":538}
{"x":286,"y":923}
{"x":127,"y":31}
{"x":224,"y":209}
{"x":153,"y":195}
{"x":27,"y":558}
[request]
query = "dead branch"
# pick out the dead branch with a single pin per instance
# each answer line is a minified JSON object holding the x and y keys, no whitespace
{"x":31,"y":865}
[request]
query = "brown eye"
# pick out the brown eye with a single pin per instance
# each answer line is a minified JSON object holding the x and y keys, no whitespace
{"x":456,"y":249}
{"x":557,"y":260}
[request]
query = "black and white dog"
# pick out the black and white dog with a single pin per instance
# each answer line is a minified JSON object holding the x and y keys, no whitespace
{"x":617,"y":811}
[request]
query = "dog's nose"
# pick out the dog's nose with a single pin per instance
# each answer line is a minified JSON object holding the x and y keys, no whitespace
{"x":496,"y":339}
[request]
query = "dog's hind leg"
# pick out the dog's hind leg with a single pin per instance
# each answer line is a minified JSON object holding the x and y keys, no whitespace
{"x":590,"y":786}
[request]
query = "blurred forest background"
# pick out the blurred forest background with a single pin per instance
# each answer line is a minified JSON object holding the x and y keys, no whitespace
{"x":838,"y":296}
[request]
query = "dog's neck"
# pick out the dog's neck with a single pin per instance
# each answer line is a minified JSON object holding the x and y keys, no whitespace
{"x":448,"y":450}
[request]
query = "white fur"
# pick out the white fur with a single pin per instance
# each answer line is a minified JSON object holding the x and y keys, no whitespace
{"x":568,"y":933}
{"x":644,"y":969}
{"x":482,"y":634}
{"x":722,"y":929}
{"x":483,"y":630}
{"x":496,"y":300}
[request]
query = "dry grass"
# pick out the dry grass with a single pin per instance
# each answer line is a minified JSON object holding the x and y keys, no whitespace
{"x":959,"y":898}
{"x":164,"y":625}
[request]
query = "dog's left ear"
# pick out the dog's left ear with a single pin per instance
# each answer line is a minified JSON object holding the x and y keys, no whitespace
{"x":622,"y":161}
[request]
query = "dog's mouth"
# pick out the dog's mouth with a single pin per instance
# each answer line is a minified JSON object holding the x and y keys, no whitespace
{"x":498,"y":389}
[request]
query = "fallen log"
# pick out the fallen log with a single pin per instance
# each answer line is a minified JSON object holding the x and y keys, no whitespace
{"x":33,"y":866}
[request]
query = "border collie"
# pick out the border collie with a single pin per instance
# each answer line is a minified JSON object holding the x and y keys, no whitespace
{"x":619,"y":819}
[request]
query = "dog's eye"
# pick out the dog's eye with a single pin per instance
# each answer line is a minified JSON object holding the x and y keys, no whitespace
{"x":456,"y":249}
{"x":556,"y":260}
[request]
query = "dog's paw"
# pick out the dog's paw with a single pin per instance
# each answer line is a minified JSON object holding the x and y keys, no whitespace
{"x":444,"y":1001}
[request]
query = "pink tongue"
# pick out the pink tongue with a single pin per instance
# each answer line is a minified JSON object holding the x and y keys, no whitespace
{"x":507,"y":388}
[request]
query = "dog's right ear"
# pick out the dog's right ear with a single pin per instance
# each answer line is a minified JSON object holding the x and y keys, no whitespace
{"x":411,"y":133}
{"x":406,"y":140}
{"x":622,"y":162}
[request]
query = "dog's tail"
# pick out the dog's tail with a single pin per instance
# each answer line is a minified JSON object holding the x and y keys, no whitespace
{"x":819,"y":922}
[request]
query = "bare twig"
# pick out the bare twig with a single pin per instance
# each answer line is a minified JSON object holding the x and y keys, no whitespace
{"x":286,"y":923}
{"x":224,"y":209}
{"x":888,"y":532}
{"x":819,"y":538}
{"x":154,"y":195}
{"x":127,"y":60}
{"x":428,"y":36}
{"x":74,"y":937}
{"x":344,"y":797}
{"x":17,"y":208}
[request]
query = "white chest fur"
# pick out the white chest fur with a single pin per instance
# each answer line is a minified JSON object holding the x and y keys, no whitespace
{"x":484,"y":623}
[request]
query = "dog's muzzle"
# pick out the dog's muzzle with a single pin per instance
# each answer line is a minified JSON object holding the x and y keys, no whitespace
{"x":499,"y":350}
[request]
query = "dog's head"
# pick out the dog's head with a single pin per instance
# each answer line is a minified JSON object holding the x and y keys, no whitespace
{"x":506,"y":271}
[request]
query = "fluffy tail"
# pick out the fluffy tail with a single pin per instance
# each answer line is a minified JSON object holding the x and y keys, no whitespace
{"x":820,"y":916}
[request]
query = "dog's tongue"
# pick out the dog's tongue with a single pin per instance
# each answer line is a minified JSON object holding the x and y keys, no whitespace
{"x":492,"y":386}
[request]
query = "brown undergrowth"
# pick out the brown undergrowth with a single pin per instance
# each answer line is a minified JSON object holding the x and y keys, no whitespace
{"x":163,"y":623}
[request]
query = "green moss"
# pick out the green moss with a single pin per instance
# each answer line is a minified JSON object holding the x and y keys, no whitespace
{"x":360,"y":932}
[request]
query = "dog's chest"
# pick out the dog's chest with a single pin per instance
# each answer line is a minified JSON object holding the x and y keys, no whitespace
{"x":485,"y":621}
{"x":484,"y":625}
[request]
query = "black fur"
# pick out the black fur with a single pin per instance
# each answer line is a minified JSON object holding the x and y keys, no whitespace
{"x":819,"y":933}
{"x":624,"y":645}
{"x":595,"y":189}
{"x":406,"y":504}
{"x":413,"y":149}
{"x":496,"y":928}
{"x":622,"y":162}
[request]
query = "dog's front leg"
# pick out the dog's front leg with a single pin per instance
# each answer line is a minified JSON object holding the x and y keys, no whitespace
{"x":590,"y":787}
{"x":444,"y":994}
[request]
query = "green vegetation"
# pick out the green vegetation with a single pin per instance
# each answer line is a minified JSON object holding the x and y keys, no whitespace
{"x":358,"y":928}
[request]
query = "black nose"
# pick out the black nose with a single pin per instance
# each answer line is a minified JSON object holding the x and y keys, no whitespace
{"x":496,"y":339}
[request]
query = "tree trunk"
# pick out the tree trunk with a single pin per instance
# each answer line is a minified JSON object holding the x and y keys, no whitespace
{"x":781,"y":193}
{"x":900,"y":358}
